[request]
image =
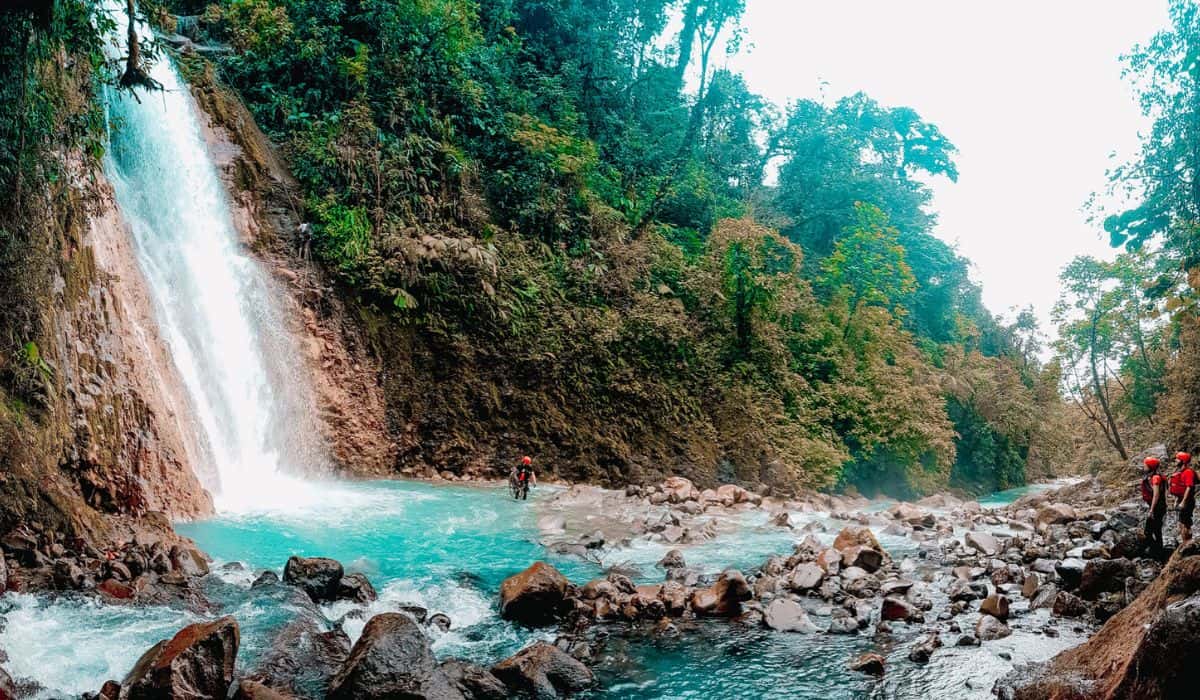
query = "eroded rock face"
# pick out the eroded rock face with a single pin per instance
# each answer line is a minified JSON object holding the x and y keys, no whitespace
{"x":543,"y":671}
{"x":535,"y":596}
{"x":197,"y":663}
{"x":392,"y":659}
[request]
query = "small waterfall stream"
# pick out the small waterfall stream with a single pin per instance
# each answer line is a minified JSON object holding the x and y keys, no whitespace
{"x":215,"y":305}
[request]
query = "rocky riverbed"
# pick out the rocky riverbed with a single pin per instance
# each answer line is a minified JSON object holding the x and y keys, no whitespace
{"x":904,"y":584}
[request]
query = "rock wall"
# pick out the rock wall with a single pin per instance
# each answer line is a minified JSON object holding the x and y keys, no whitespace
{"x":345,"y":376}
{"x":107,"y":435}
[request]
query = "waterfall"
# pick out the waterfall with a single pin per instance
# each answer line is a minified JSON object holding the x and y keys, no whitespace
{"x":214,"y":304}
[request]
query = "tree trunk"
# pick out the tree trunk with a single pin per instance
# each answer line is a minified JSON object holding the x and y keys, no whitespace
{"x":687,"y":37}
{"x":1102,"y":396}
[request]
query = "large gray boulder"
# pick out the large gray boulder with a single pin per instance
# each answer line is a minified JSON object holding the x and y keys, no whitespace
{"x":786,"y":615}
{"x":544,"y":672}
{"x":319,"y":577}
{"x":392,"y":659}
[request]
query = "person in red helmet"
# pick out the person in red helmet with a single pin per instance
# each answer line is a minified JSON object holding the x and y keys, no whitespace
{"x":522,"y":477}
{"x":1154,"y":494}
{"x":1183,"y":486}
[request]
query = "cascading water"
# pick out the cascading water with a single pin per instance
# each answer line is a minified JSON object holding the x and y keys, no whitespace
{"x":215,"y":309}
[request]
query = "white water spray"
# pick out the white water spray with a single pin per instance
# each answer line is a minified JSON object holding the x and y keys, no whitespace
{"x":214,"y":304}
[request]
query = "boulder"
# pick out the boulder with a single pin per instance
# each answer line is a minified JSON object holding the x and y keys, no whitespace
{"x":865,"y":558}
{"x":197,"y":663}
{"x":356,"y":587}
{"x":319,"y":577}
{"x":870,"y":664}
{"x":8,"y":689}
{"x":966,"y":591}
{"x":786,"y":615}
{"x":253,"y":690}
{"x":673,"y":559}
{"x":1068,"y":605}
{"x":1055,"y":514}
{"x":724,"y":598}
{"x":188,"y":561}
{"x":806,"y":577}
{"x":989,"y":628}
{"x":674,"y":597}
{"x":912,"y":515}
{"x":392,"y":659}
{"x":679,"y":489}
{"x":473,"y":681}
{"x":897,"y":608}
{"x":1044,"y":596}
{"x":856,"y":536}
{"x":543,"y":671}
{"x":1104,"y":576}
{"x":982,"y":542}
{"x":1070,"y":571}
{"x":830,"y":561}
{"x":535,"y":596}
{"x":924,"y":648}
{"x":1030,"y":585}
{"x":995,"y":605}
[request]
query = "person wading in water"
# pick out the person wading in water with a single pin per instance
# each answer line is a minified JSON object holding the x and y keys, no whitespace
{"x":521,"y":478}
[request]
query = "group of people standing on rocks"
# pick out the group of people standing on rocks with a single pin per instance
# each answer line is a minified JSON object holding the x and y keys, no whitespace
{"x":1156,"y":487}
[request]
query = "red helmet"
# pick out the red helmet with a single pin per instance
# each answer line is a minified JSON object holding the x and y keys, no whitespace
{"x":1183,"y":458}
{"x":1151,"y":462}
{"x":526,"y":461}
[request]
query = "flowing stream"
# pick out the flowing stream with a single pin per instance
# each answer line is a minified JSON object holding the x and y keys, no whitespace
{"x":446,"y":548}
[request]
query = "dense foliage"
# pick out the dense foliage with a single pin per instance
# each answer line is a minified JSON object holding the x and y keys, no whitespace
{"x":1128,"y":339}
{"x":561,"y":196}
{"x":569,"y":230}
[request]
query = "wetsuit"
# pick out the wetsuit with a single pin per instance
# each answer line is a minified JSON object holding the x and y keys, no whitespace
{"x":1188,"y":505}
{"x":1154,"y":522}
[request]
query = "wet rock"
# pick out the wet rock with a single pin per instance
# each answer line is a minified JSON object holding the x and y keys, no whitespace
{"x":319,"y":577}
{"x":723,"y":598}
{"x":679,"y":489}
{"x":473,"y":681}
{"x":535,"y":596}
{"x":870,"y":664}
{"x":8,"y":689}
{"x":990,"y":628}
{"x":996,"y":606}
{"x":782,"y":519}
{"x":912,"y":515}
{"x":113,"y":589}
{"x":786,"y":615}
{"x":198,"y":662}
{"x":1104,"y":576}
{"x":440,"y":621}
{"x":188,"y":561}
{"x":830,"y":561}
{"x":1030,"y":585}
{"x":966,"y":591}
{"x":266,"y":578}
{"x":982,"y":542}
{"x":673,"y":559}
{"x":253,"y":690}
{"x":416,"y":612}
{"x":896,"y":608}
{"x":967,"y":640}
{"x":674,"y":597}
{"x":543,"y":671}
{"x":924,"y":648}
{"x":392,"y":659}
{"x":895,"y":587}
{"x":1068,"y":605}
{"x":1070,"y":571}
{"x":355,"y":587}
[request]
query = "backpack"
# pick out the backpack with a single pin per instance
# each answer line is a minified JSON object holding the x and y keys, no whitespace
{"x":1177,"y":486}
{"x":1147,"y":491}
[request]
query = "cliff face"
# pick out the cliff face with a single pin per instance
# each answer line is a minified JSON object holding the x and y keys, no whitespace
{"x":105,"y":434}
{"x":344,"y":375}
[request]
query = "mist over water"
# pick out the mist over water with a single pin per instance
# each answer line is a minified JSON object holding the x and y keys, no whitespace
{"x":214,"y":304}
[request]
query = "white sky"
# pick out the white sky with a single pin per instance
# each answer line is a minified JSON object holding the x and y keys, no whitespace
{"x":1029,"y":91}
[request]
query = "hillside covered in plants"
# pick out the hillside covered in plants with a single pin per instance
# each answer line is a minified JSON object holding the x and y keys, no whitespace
{"x":604,"y":249}
{"x":567,"y":230}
